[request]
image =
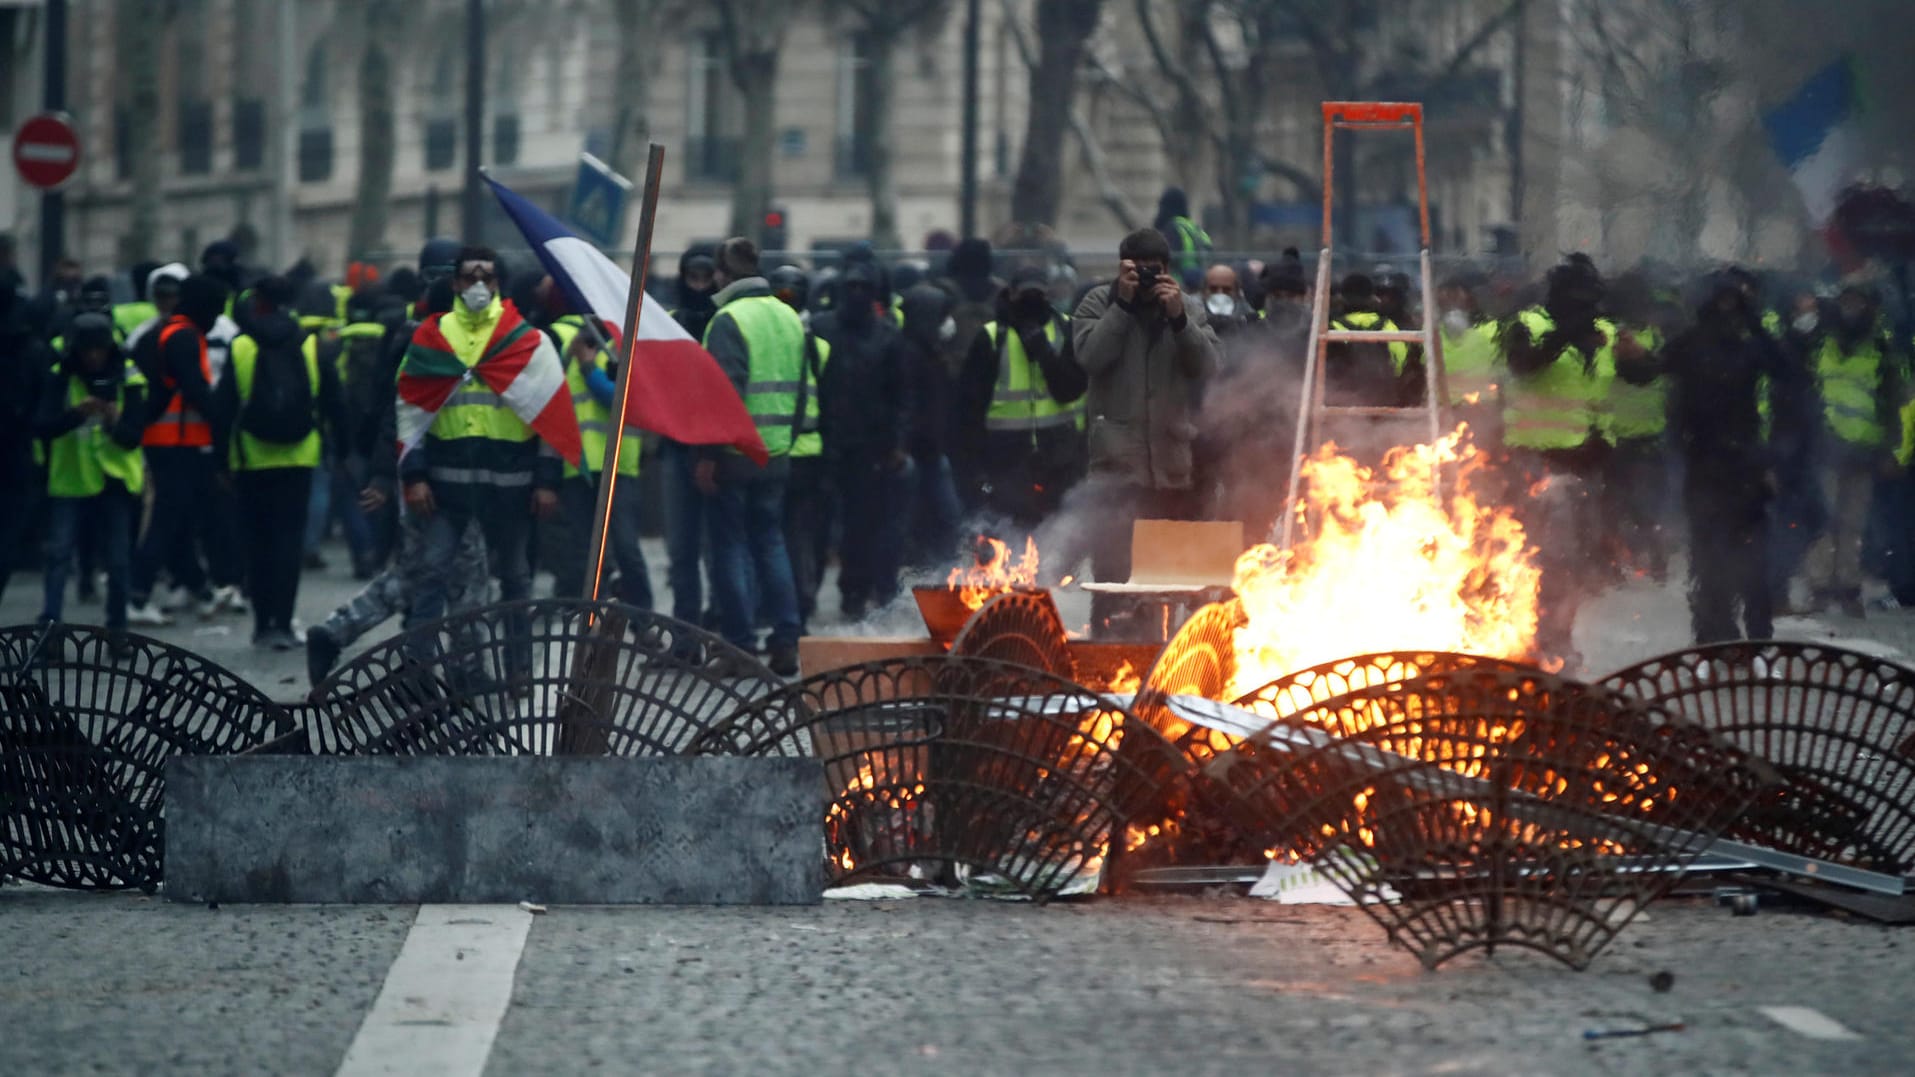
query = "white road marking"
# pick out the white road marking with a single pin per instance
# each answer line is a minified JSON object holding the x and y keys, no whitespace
{"x":1809,"y":1022}
{"x":444,"y":996}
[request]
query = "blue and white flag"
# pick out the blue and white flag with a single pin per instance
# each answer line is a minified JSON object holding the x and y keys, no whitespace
{"x":1814,"y":133}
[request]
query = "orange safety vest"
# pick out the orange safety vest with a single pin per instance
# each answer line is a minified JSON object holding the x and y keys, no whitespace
{"x":180,"y":426}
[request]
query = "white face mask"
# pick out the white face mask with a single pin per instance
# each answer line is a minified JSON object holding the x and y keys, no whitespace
{"x":477,"y":297}
{"x":948,"y":330}
{"x":1805,"y":322}
{"x":1222,"y":304}
{"x":1456,"y":321}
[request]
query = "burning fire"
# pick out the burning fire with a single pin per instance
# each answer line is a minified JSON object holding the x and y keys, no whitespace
{"x":1386,"y":564}
{"x":994,"y":573}
{"x":893,"y":805}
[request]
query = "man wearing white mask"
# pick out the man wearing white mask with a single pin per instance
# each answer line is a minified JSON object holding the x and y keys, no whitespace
{"x":1224,"y":302}
{"x":480,"y":453}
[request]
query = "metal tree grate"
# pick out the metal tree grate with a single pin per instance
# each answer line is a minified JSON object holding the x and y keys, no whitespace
{"x":1200,"y":660}
{"x":1022,"y":628}
{"x":1839,"y":727}
{"x":1305,"y":688}
{"x":88,"y":720}
{"x":1492,"y":808}
{"x":539,"y":677}
{"x":938,"y":768}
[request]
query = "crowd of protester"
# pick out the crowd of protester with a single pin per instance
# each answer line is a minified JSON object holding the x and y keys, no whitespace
{"x":189,"y":447}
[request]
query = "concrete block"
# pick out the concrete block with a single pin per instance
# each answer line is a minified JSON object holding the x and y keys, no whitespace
{"x":564,"y":831}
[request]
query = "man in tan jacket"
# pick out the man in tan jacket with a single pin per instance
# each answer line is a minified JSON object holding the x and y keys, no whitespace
{"x":1147,"y":351}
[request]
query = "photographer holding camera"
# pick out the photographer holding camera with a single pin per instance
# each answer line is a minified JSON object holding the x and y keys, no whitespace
{"x":1147,"y":351}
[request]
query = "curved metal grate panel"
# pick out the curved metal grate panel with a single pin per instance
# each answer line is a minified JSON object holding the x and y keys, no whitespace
{"x":1022,"y":628}
{"x":1488,"y":808}
{"x":1838,"y":725}
{"x":538,"y":677}
{"x":88,"y":720}
{"x":948,"y":767}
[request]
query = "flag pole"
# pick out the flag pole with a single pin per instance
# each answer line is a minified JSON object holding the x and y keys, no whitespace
{"x":634,"y":306}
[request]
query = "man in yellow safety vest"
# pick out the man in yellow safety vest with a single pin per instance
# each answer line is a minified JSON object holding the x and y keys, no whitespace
{"x":91,"y":414}
{"x":1561,"y":361}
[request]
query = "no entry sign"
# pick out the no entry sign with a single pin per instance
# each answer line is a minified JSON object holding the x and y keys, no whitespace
{"x":46,"y":150}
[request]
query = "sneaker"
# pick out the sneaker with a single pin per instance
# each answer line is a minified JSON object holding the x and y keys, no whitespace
{"x":314,"y":562}
{"x":147,"y":613}
{"x":1851,"y":606}
{"x":230,"y":599}
{"x":730,"y":666}
{"x":322,"y":653}
{"x":277,"y":639}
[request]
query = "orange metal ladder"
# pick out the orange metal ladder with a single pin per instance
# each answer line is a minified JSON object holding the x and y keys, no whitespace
{"x":1313,"y":413}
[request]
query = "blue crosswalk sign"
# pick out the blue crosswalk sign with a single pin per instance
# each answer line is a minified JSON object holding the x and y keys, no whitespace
{"x":598,"y":201}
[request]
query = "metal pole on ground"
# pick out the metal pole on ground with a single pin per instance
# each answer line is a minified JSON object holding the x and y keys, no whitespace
{"x":634,"y":306}
{"x":583,"y":720}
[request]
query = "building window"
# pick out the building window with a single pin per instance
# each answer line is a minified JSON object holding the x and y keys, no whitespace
{"x":712,"y":115}
{"x":196,"y":137}
{"x":194,"y":118}
{"x":442,"y":124}
{"x":503,"y":95}
{"x":249,"y":133}
{"x":252,"y":81}
{"x":315,"y":120}
{"x":855,"y":116}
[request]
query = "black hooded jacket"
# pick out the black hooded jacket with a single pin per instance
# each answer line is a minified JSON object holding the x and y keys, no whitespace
{"x":24,"y":360}
{"x":926,"y":308}
{"x":202,"y":301}
{"x":864,"y":398}
{"x":693,"y":309}
{"x":1716,"y":370}
{"x":55,"y":415}
{"x":276,"y":332}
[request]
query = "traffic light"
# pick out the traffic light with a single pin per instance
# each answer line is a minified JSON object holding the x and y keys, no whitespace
{"x":772,"y":235}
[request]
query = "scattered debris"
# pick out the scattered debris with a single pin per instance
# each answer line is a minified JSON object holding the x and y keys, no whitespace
{"x":534,"y":909}
{"x":1662,"y":981}
{"x":1625,"y":1033}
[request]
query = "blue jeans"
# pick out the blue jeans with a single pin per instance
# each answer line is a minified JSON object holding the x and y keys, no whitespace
{"x":748,"y":545}
{"x":110,"y":516}
{"x":685,"y":512}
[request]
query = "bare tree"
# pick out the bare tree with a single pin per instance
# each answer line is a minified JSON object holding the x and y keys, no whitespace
{"x":1215,"y":58}
{"x":640,"y":31}
{"x":383,"y":23}
{"x":139,"y":57}
{"x":752,"y":34}
{"x":883,"y":25}
{"x":1064,"y":29}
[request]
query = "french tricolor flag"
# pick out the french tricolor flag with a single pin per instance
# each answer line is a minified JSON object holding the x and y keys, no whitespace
{"x":1814,"y":133}
{"x":676,"y":388}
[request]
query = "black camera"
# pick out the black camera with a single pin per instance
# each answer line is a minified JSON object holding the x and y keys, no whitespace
{"x":1147,"y":278}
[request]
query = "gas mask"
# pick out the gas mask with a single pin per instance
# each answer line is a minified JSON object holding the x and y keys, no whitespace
{"x":1806,"y":321}
{"x":476,"y":297}
{"x":1221,"y":304}
{"x":948,"y":330}
{"x":1456,"y":320}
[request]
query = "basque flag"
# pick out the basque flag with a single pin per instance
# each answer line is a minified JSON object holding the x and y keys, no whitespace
{"x":676,"y":388}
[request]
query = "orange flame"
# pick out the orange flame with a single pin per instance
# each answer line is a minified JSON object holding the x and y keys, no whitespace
{"x":1386,"y":564}
{"x":995,"y":574}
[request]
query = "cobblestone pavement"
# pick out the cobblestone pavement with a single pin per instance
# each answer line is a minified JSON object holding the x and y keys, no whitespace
{"x":1147,"y":985}
{"x":123,"y":984}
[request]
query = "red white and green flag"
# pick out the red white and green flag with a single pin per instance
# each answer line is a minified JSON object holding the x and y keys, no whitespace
{"x":519,"y":363}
